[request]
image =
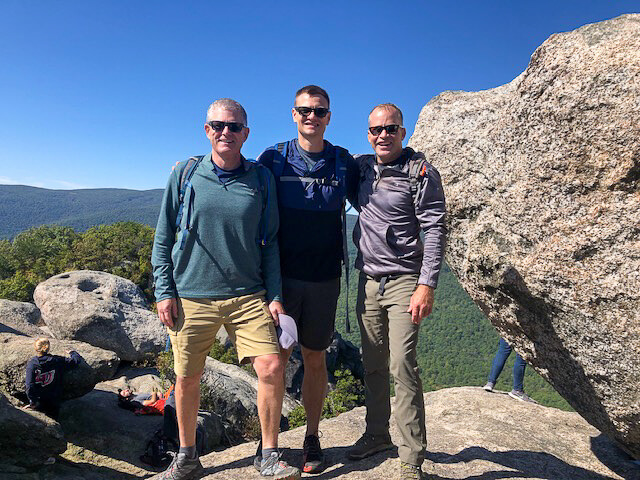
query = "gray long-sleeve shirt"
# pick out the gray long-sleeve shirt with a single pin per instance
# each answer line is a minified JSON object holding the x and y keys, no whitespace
{"x":387,"y":233}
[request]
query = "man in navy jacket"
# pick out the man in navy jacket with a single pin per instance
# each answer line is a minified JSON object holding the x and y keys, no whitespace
{"x":310,"y":176}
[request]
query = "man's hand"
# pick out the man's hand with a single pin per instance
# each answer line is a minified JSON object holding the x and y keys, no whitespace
{"x":276,"y":308}
{"x":167,"y":311}
{"x":421,"y":303}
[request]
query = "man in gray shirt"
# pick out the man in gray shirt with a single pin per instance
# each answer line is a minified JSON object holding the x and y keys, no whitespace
{"x":399,"y":195}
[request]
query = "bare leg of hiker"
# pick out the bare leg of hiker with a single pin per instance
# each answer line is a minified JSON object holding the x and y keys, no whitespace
{"x":187,"y":403}
{"x":314,"y":387}
{"x":270,"y":371}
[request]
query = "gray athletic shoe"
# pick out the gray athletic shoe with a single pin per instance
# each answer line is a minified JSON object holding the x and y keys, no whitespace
{"x":489,"y":386}
{"x":183,"y":468}
{"x":520,"y":395}
{"x":368,"y":445}
{"x":278,"y":469}
{"x":257,"y":460}
{"x":411,"y":472}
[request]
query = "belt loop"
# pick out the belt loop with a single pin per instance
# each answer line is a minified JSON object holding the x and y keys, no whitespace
{"x":383,"y":282}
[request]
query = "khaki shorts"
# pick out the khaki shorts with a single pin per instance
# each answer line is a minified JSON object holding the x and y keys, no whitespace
{"x":247,"y":320}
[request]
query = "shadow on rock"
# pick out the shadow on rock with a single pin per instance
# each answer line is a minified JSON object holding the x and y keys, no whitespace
{"x":526,"y":464}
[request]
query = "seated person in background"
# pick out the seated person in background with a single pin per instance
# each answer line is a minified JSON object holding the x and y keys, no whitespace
{"x":44,"y":378}
{"x":504,"y":350}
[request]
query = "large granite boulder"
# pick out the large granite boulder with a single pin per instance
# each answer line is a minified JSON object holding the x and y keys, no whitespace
{"x":105,"y":436}
{"x":231,"y":392}
{"x":542,"y":179}
{"x":29,"y":438}
{"x":21,"y":318}
{"x":16,"y":350}
{"x":340,"y":355}
{"x":101,"y":309}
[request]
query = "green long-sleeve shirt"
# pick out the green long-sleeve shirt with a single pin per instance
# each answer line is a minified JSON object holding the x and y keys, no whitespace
{"x":222,"y":257}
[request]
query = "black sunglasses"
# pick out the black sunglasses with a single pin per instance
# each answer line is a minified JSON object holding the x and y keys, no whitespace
{"x":391,"y":129}
{"x":319,"y":112}
{"x":234,"y":127}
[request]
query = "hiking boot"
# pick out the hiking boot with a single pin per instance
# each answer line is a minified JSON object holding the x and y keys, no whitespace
{"x":489,"y":386}
{"x":369,"y":444}
{"x":411,"y":472}
{"x":183,"y":468}
{"x":520,"y":395}
{"x":278,"y":469}
{"x":312,"y":456}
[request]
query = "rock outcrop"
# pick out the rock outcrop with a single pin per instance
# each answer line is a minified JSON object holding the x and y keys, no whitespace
{"x":470,"y":433}
{"x":28,"y":438}
{"x":21,"y":318}
{"x":341,"y":354}
{"x":101,"y":309}
{"x":16,"y":350}
{"x":231,"y":393}
{"x":542,"y":179}
{"x":109,"y":437}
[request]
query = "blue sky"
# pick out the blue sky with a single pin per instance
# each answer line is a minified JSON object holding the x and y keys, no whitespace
{"x":112,"y":93}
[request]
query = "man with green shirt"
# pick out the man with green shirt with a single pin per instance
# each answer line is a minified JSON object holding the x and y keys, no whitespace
{"x":216,"y":263}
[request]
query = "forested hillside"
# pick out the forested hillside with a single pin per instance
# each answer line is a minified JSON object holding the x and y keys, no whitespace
{"x":22,"y":207}
{"x":456,"y":343}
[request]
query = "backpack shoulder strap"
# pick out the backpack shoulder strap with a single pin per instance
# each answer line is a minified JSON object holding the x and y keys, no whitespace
{"x":263,"y":179}
{"x":341,"y":164}
{"x":417,"y":173}
{"x":280,"y":158}
{"x":185,"y":183}
{"x":185,"y":193}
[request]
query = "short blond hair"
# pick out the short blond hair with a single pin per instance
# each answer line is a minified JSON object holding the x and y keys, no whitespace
{"x":42,"y":346}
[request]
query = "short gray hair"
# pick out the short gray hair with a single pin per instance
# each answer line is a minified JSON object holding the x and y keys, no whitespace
{"x":389,"y":107}
{"x":227,"y":104}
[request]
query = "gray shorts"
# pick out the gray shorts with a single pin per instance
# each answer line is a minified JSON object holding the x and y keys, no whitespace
{"x":313,"y":306}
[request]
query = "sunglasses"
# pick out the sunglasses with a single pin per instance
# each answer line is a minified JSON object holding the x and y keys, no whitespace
{"x":391,"y":129}
{"x":234,"y":127}
{"x":319,"y":112}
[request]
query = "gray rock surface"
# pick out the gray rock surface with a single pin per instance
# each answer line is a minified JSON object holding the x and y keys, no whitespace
{"x":28,"y":438}
{"x":112,"y":439}
{"x":231,"y":392}
{"x":16,"y":350}
{"x":101,"y":309}
{"x":472,"y":434}
{"x":340,"y":355}
{"x":21,"y":318}
{"x":542,"y":179}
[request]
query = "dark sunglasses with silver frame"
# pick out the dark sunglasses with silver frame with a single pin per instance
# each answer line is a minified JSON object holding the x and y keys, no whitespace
{"x":391,"y":129}
{"x":234,"y":127}
{"x":319,"y":112}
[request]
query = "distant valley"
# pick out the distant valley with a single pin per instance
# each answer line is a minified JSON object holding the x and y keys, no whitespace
{"x":22,"y":207}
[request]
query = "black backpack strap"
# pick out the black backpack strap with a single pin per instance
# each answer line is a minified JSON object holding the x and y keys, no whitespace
{"x":417,"y":173}
{"x":340,"y":175}
{"x":263,"y":178}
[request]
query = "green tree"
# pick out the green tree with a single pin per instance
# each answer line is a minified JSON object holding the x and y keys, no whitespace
{"x":123,"y":249}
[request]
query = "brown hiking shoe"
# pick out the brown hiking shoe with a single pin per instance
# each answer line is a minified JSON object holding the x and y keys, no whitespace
{"x":368,"y":445}
{"x":411,"y":472}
